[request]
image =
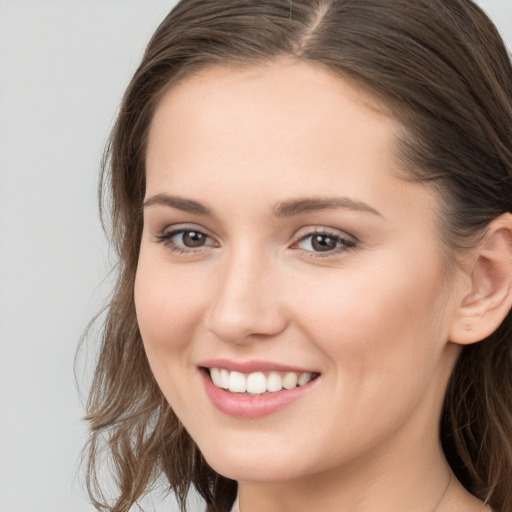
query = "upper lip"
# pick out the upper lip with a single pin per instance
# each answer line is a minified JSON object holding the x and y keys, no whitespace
{"x":252,"y":366}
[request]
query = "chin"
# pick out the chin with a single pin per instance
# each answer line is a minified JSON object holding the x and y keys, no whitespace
{"x":257,"y":461}
{"x":249,"y":470}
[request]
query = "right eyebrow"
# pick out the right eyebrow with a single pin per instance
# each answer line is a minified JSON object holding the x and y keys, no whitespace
{"x":301,"y":206}
{"x":180,"y":203}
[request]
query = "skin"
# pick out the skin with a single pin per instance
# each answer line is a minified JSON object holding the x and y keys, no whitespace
{"x":373,"y":319}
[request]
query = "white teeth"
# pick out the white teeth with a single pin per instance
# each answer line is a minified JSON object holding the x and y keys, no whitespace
{"x":224,"y":379}
{"x":304,"y":378}
{"x":215,"y":375}
{"x":290,"y":380}
{"x":257,"y":383}
{"x":237,"y":382}
{"x":274,"y":382}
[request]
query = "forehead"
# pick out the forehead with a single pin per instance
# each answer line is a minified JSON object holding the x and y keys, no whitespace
{"x":295,"y":81}
{"x":279,"y":110}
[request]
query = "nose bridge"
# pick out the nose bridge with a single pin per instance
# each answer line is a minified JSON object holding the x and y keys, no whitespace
{"x":245,"y":302}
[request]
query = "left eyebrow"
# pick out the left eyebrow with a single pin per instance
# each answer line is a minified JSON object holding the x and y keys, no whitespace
{"x":300,"y":206}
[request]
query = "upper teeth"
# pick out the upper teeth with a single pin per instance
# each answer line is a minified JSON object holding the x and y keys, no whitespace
{"x":258,"y":382}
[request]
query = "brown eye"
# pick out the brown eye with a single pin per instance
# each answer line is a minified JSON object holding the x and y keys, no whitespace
{"x":323,"y":243}
{"x":186,"y":240}
{"x":193,"y":239}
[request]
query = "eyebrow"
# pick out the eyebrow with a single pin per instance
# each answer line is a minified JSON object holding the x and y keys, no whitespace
{"x":289,"y":208}
{"x":180,"y":203}
{"x":306,"y":205}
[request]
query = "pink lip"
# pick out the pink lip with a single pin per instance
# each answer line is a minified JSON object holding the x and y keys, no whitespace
{"x":252,"y":366}
{"x":251,"y":407}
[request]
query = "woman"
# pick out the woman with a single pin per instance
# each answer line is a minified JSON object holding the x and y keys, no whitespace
{"x":311,"y":204}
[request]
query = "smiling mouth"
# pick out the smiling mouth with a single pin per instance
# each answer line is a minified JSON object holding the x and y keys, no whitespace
{"x":258,"y":383}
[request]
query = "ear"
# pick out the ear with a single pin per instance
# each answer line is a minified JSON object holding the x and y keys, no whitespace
{"x":489,"y":299}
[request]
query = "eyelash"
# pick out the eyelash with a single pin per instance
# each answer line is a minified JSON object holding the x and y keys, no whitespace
{"x":166,"y":239}
{"x":342,"y":244}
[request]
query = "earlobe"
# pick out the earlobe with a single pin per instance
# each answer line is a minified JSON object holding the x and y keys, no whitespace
{"x":489,"y":300}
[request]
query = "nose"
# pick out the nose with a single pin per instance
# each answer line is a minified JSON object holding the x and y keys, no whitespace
{"x":247,"y":304}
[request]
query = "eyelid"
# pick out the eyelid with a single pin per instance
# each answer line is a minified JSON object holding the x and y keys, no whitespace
{"x":176,"y":228}
{"x":344,"y":240}
{"x":166,"y":235}
{"x":349,"y":242}
{"x":323,"y":230}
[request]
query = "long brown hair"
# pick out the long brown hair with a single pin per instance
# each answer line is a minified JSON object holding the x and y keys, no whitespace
{"x":444,"y":73}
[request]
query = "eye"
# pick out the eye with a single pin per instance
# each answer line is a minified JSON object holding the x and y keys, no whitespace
{"x":325,"y":242}
{"x":191,"y":239}
{"x":185,"y":240}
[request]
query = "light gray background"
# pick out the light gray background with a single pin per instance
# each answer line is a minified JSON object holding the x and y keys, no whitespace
{"x":63,"y":68}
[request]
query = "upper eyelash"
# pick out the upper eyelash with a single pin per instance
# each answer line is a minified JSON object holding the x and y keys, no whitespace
{"x":166,"y":236}
{"x":348,"y":243}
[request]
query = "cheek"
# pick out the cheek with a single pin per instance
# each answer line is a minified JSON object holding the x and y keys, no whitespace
{"x":377,"y":321}
{"x":382,"y":339}
{"x":168,"y":306}
{"x":168,"y":309}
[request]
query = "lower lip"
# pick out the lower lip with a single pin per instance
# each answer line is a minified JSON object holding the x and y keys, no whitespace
{"x":247,"y":406}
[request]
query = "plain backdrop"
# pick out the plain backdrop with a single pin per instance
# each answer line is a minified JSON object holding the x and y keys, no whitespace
{"x":63,"y":67}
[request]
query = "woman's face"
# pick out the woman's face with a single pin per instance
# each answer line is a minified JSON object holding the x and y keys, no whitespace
{"x":280,"y":245}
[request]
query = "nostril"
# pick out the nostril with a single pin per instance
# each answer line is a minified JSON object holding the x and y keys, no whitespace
{"x":241,"y":326}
